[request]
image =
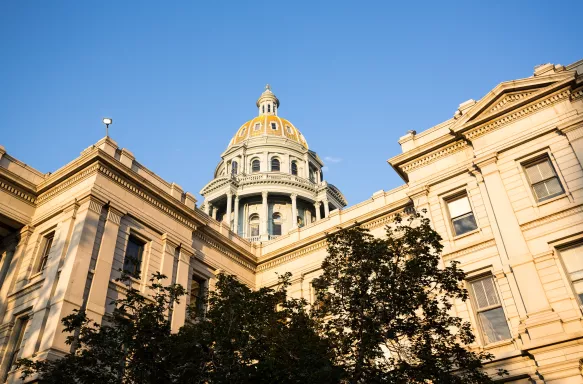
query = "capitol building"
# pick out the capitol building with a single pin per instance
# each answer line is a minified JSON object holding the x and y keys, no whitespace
{"x":501,"y":182}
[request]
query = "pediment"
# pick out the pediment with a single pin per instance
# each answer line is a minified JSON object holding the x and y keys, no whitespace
{"x":510,"y":95}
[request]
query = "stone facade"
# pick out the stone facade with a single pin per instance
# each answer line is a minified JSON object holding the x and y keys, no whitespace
{"x":502,"y":182}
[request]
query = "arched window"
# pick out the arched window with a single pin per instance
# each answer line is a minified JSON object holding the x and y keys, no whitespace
{"x":243,"y":131}
{"x":253,"y":225}
{"x":263,"y":108}
{"x":276,"y":224}
{"x":234,"y":168}
{"x":312,"y":175}
{"x":294,"y":168}
{"x":268,"y":107}
{"x":275,"y":164}
{"x":255,"y":165}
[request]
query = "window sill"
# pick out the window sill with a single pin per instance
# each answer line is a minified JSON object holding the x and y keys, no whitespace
{"x":500,"y":343}
{"x":466,"y":234}
{"x":559,"y":197}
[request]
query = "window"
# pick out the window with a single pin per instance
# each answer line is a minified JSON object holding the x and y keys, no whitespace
{"x":489,"y":310}
{"x":274,"y":126}
{"x":47,"y":243}
{"x":274,"y":164}
{"x":268,"y":107}
{"x":263,"y":108}
{"x":288,"y":129}
{"x":17,"y":346}
{"x":243,"y":131}
{"x":462,"y":217}
{"x":255,"y":165}
{"x":312,"y":175}
{"x":257,"y":126}
{"x":276,"y":224}
{"x":543,"y":179}
{"x":573,"y":259}
{"x":254,"y":225}
{"x":294,"y":168}
{"x":133,"y":257}
{"x":234,"y":168}
{"x":197,"y":296}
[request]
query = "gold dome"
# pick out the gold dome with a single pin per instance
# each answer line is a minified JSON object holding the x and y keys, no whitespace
{"x":270,"y":126}
{"x":268,"y":123}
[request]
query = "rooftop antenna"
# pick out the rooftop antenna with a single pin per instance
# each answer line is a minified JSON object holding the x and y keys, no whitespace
{"x":107,"y":121}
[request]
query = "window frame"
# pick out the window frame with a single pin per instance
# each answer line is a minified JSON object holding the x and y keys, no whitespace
{"x":253,"y":161}
{"x":250,"y":223}
{"x":554,"y":167}
{"x":475,"y":310}
{"x":560,"y":247}
{"x":137,"y":274}
{"x":451,"y":197}
{"x":274,"y":223}
{"x":294,"y":164}
{"x":242,"y":133}
{"x":271,"y":162}
{"x":21,"y":322}
{"x":47,"y":243}
{"x":257,"y":127}
{"x":203,"y":283}
{"x":234,"y":167}
{"x":273,"y":125}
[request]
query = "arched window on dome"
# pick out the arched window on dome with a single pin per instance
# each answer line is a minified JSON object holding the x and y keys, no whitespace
{"x":274,"y":165}
{"x":257,"y":127}
{"x":234,"y":168}
{"x":268,"y":107}
{"x":255,"y":165}
{"x":263,"y":108}
{"x":243,"y":131}
{"x":276,"y":224}
{"x":294,"y":168}
{"x":253,"y":229}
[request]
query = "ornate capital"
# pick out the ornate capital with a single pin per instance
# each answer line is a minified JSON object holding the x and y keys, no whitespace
{"x":317,"y":204}
{"x":264,"y":194}
{"x":114,"y":215}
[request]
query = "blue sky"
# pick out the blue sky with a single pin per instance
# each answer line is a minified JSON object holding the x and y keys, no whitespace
{"x":180,"y":77}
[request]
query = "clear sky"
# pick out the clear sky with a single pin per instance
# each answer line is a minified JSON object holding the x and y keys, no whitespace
{"x":180,"y":77}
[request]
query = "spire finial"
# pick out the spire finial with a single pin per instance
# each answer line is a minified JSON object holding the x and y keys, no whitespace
{"x":267,"y":102}
{"x":268,"y":87}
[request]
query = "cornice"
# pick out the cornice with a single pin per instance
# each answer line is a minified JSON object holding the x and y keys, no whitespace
{"x":18,"y":192}
{"x":434,"y":156}
{"x":550,"y":218}
{"x":68,"y":183}
{"x":518,"y":114}
{"x":211,"y":241}
{"x":577,"y":94}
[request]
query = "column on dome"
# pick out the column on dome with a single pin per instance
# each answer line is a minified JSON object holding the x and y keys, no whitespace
{"x":294,"y":210}
{"x":317,"y":206}
{"x":229,"y":202}
{"x":236,"y":218}
{"x":213,"y":211}
{"x":326,"y":208}
{"x":264,"y":213}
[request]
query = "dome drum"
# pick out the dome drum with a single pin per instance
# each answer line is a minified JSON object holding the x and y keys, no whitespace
{"x":268,"y":181}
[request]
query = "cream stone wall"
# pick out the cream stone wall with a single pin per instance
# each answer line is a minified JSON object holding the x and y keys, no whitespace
{"x":93,"y":204}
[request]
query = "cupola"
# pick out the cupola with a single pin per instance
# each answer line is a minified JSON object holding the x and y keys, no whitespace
{"x":267,"y":103}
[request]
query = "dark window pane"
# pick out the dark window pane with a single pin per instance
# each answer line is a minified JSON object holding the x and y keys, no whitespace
{"x":133,"y":257}
{"x":294,"y":168}
{"x":464,"y":224}
{"x":255,"y":166}
{"x":197,"y":292}
{"x":494,"y":325}
{"x":275,"y":165}
{"x":48,"y":243}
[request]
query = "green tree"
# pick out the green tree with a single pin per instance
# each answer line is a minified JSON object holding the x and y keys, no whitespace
{"x":254,"y":336}
{"x":246,"y":336}
{"x":132,"y":346}
{"x":384,"y":304}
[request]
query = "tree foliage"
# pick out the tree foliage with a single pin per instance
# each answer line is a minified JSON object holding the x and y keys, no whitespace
{"x":382,"y":315}
{"x":384,"y":304}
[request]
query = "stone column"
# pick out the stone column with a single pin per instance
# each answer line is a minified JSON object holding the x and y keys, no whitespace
{"x":207,"y":208}
{"x":317,"y":206}
{"x":182,"y":278}
{"x":294,"y":210}
{"x":326,"y":208}
{"x":12,"y":268}
{"x":264,"y":214}
{"x":236,"y":218}
{"x":229,"y":203}
{"x":70,"y":287}
{"x":213,"y":212}
{"x":521,"y":260}
{"x":96,"y":301}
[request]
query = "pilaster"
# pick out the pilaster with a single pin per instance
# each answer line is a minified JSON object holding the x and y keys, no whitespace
{"x":182,"y":278}
{"x":74,"y":272}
